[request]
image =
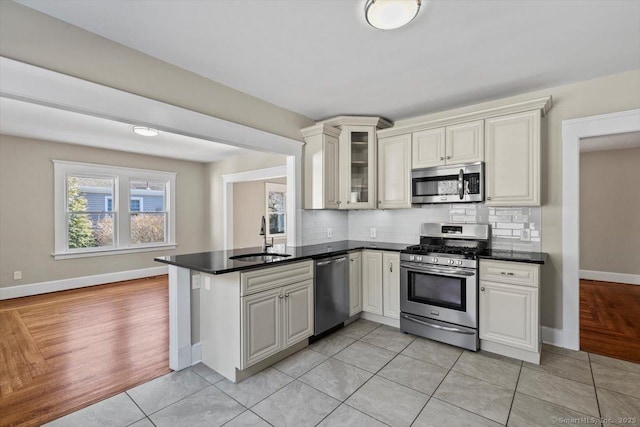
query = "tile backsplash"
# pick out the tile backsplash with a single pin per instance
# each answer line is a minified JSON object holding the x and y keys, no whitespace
{"x":508,"y":225}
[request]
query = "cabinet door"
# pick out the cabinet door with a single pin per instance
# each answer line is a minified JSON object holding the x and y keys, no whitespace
{"x":358,"y":167}
{"x":509,"y":315}
{"x":394,"y":172}
{"x":391,"y":284}
{"x":372,"y":282}
{"x":465,"y":143}
{"x":513,"y":160}
{"x":428,"y":148}
{"x":298,"y":312}
{"x":261,"y":326}
{"x":331,"y":170}
{"x":355,"y":283}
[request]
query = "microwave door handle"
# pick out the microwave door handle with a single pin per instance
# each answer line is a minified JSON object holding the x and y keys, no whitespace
{"x":461,"y":184}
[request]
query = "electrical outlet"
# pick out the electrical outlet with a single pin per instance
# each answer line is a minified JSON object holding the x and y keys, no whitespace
{"x":525,"y":235}
{"x":195,"y":281}
{"x":17,"y":275}
{"x":329,"y":233}
{"x":373,"y":232}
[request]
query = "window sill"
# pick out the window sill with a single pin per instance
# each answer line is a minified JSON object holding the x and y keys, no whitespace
{"x":111,"y":251}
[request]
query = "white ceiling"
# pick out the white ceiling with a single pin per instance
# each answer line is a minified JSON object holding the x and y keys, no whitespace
{"x":36,"y":121}
{"x":610,"y":142}
{"x":321,"y":59}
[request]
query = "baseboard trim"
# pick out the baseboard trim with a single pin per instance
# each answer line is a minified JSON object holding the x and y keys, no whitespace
{"x":380,"y":319}
{"x":196,"y":353}
{"x":605,"y":276}
{"x":78,"y":282}
{"x":552,"y":336}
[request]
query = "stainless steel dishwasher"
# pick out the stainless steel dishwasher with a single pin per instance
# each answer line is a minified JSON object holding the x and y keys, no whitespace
{"x":331,"y":292}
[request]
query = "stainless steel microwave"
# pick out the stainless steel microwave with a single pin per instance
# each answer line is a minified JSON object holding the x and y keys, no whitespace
{"x":448,"y":184}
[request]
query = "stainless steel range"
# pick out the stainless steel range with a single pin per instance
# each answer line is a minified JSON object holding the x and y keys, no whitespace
{"x":439,"y":283}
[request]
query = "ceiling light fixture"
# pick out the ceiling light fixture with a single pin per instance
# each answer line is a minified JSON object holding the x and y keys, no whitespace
{"x":145,"y":131}
{"x":390,"y":14}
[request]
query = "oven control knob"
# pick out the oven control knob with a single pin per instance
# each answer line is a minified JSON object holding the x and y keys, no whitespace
{"x":435,"y":260}
{"x":419,"y":258}
{"x":451,"y":261}
{"x":412,"y":258}
{"x":459,"y":262}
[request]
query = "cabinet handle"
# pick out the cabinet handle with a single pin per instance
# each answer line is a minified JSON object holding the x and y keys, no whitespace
{"x":482,"y":289}
{"x":441,"y":158}
{"x":448,"y":157}
{"x":348,"y":202}
{"x":286,"y":295}
{"x":488,"y":198}
{"x":379,"y":202}
{"x":507,"y":274}
{"x":280,"y":296}
{"x":338,"y":201}
{"x":391,"y":267}
{"x":352,"y":260}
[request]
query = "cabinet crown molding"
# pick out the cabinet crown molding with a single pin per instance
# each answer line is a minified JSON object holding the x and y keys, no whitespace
{"x":318,"y":129}
{"x":443,"y":119}
{"x":378,"y":122}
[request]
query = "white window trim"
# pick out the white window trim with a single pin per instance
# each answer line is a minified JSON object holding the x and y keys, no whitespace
{"x":282,"y":188}
{"x":122,"y":245}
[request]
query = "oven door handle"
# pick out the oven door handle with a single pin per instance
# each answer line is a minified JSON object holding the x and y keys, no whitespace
{"x":444,"y":328}
{"x":451,"y":273}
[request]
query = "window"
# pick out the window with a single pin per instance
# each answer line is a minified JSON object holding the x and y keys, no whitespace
{"x":276,"y":197}
{"x":101,"y":209}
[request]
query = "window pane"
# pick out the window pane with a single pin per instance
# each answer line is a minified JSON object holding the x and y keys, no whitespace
{"x":276,"y":224}
{"x":276,"y":201}
{"x":147,"y":196}
{"x":89,"y":230}
{"x":148,"y":228}
{"x":86,"y":194}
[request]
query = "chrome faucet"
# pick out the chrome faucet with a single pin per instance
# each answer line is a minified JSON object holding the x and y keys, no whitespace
{"x":263,"y":233}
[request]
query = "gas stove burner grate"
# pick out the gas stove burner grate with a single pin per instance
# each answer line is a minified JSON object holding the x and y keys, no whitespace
{"x":442,"y":249}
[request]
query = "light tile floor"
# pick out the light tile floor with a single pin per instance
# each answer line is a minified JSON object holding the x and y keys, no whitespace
{"x":372,"y":375}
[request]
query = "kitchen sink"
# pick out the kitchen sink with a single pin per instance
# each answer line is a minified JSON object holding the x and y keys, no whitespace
{"x":264,"y":257}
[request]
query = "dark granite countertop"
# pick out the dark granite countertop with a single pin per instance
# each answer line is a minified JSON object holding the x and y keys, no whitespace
{"x":218,"y":262}
{"x":514,"y":256}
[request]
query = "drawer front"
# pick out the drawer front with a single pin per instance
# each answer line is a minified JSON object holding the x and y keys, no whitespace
{"x":516,"y":273}
{"x":273,"y":277}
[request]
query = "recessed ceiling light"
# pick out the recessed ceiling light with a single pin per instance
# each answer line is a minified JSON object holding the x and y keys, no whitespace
{"x":145,"y":131}
{"x":390,"y":14}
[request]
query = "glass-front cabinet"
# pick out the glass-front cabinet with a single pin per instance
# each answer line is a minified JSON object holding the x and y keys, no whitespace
{"x":358,"y":155}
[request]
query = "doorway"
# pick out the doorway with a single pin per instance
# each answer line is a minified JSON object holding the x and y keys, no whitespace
{"x":610,"y":245}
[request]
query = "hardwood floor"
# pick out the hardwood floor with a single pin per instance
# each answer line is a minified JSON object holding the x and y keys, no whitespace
{"x":63,"y":351}
{"x":610,"y":319}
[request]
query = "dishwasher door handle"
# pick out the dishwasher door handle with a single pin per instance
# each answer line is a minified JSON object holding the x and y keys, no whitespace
{"x":332,"y":261}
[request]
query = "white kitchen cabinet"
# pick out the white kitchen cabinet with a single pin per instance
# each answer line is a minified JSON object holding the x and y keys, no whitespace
{"x":358,"y":167}
{"x":394,"y":172}
{"x":391,"y":284}
{"x":372,"y":282}
{"x":355,"y":283}
{"x":455,"y":144}
{"x":509,"y":309}
{"x":512,"y":156}
{"x":255,"y":318}
{"x":261,"y":326}
{"x":428,"y":148}
{"x":321,"y":167}
{"x":298,"y":312}
{"x":465,"y":143}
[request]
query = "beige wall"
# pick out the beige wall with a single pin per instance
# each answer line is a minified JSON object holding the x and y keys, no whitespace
{"x":610,"y":211}
{"x":217,"y":203}
{"x":248,"y":209}
{"x":26,"y":210}
{"x":39,"y":39}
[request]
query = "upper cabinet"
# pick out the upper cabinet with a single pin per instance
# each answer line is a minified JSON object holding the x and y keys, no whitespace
{"x":394,"y":172}
{"x":512,"y":156}
{"x":358,"y":167}
{"x":340,"y":163}
{"x":460,"y":143}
